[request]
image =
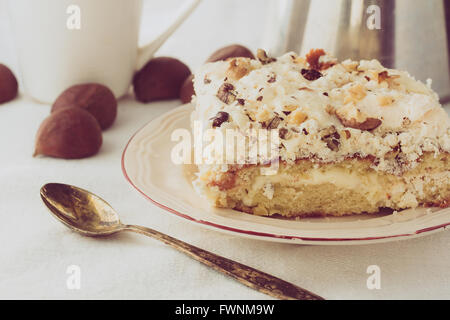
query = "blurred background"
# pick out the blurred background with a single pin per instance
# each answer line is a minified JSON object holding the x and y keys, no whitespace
{"x":213,"y":24}
{"x":412,"y":36}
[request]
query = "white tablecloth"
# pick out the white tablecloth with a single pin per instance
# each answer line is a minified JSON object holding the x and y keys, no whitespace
{"x":36,"y":250}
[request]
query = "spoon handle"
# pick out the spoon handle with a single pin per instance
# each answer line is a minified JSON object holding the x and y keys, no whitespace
{"x":246,"y":275}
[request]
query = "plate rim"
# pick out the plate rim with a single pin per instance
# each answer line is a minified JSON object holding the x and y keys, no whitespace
{"x":264,"y":235}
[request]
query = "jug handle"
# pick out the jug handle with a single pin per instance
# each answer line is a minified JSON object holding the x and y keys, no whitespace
{"x":146,"y":52}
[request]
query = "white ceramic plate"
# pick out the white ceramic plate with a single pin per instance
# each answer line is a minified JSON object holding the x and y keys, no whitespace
{"x":147,"y":165}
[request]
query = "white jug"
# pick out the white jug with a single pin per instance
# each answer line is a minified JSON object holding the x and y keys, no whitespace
{"x":61,"y":43}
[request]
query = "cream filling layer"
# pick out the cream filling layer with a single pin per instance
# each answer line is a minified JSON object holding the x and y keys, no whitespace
{"x":341,"y":178}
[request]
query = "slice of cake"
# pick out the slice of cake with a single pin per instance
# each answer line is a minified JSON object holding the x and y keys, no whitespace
{"x":345,"y":137}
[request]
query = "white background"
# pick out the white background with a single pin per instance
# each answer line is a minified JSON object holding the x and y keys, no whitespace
{"x":35,"y":249}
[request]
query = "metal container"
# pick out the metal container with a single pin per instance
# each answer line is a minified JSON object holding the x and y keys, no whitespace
{"x":411,"y":35}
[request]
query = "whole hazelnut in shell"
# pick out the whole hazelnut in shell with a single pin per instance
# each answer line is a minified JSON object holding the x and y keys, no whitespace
{"x":95,"y":98}
{"x":187,"y":89}
{"x":70,"y":133}
{"x":231,"y":51}
{"x":8,"y":84}
{"x":160,"y":79}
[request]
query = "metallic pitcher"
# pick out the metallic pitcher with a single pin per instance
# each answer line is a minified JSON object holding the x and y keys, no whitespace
{"x":411,"y":35}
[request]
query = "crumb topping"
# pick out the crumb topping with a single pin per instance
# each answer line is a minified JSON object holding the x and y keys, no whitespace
{"x":372,"y":110}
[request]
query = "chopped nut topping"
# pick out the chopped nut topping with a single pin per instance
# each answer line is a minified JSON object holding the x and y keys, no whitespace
{"x":238,"y":68}
{"x":263,"y":58}
{"x":273,"y":124}
{"x":331,"y":137}
{"x":332,"y":143}
{"x":272,"y":78}
{"x":259,"y":98}
{"x":290,"y":107}
{"x":251,"y":115}
{"x":297,"y":118}
{"x":305,"y":88}
{"x":226,"y":93}
{"x":313,"y":60}
{"x":311,"y":74}
{"x":220,"y":118}
{"x":348,"y":135}
{"x":350,"y":111}
{"x":241,"y":101}
{"x":391,"y":155}
{"x":300,"y":60}
{"x":349,"y":65}
{"x":352,"y":117}
{"x":406,"y":121}
{"x":206,"y":80}
{"x":283,"y":133}
{"x":328,"y":131}
{"x":368,"y":124}
{"x":384,"y":76}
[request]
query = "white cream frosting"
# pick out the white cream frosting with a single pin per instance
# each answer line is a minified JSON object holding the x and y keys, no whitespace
{"x":412,"y":119}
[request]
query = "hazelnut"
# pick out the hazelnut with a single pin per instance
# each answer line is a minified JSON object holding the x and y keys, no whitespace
{"x":297,"y":118}
{"x":70,"y":133}
{"x":263,"y":57}
{"x":160,"y":79}
{"x":226,"y":93}
{"x":274,"y":123}
{"x":313,"y":59}
{"x":187,"y":89}
{"x":238,"y":68}
{"x":283,"y":133}
{"x":385,"y":76}
{"x":95,"y":98}
{"x":8,"y":84}
{"x":220,"y":118}
{"x":290,"y":107}
{"x":311,"y":74}
{"x":331,"y":137}
{"x":352,"y":117}
{"x":231,"y":51}
{"x":272,"y":78}
{"x":347,"y":133}
{"x":368,"y":124}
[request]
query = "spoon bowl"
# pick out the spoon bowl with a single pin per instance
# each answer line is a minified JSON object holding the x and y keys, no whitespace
{"x":81,"y":210}
{"x":90,"y":215}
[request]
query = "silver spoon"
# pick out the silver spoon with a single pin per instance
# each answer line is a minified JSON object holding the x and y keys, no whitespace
{"x":90,"y":215}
